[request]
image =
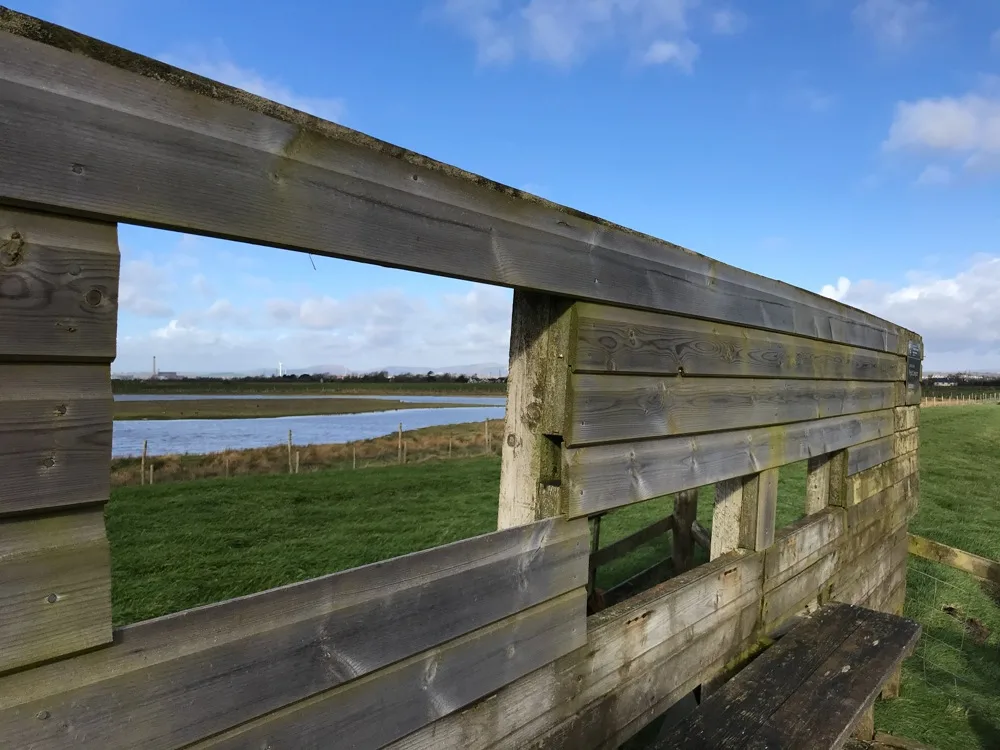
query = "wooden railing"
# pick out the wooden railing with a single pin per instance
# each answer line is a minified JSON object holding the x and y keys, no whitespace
{"x":638,"y":369}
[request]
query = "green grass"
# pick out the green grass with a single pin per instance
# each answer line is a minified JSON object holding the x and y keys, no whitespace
{"x":189,"y":543}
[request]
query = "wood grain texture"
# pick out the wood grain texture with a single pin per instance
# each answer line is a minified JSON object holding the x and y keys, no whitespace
{"x":540,"y":359}
{"x":391,"y":703}
{"x":760,"y":503}
{"x":906,"y":441}
{"x":55,"y":435}
{"x":598,"y":478}
{"x":180,"y":672}
{"x":867,"y":455}
{"x":798,"y":546}
{"x":255,"y":171}
{"x":607,"y":408}
{"x":58,"y":287}
{"x":870,"y":482}
{"x":628,"y":647}
{"x":685,"y":514}
{"x":619,"y":340}
{"x":726,"y":516}
{"x":631,"y":542}
{"x":907,"y":417}
{"x":817,"y":484}
{"x":788,"y":599}
{"x":953,"y":557}
{"x":55,"y":587}
{"x":808,"y":690}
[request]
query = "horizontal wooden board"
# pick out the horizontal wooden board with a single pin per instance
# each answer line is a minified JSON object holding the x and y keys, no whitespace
{"x":862,"y":577}
{"x":959,"y":559}
{"x":58,"y":287}
{"x":598,"y":478}
{"x":55,"y":433}
{"x":789,"y":598}
{"x":906,"y":441}
{"x":393,"y":702}
{"x":867,"y":455}
{"x":179,"y":672}
{"x":907,"y":417}
{"x":633,"y":541}
{"x":798,"y":546}
{"x":154,"y":145}
{"x":609,"y":408}
{"x":648,"y":632}
{"x":624,"y":341}
{"x":55,"y":587}
{"x":871,"y":481}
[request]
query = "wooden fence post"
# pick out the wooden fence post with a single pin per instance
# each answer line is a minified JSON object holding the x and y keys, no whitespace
{"x":296,"y":462}
{"x":142,"y":470}
{"x":817,"y":484}
{"x":744,"y":513}
{"x":541,"y":353}
{"x":58,"y":320}
{"x":289,"y":451}
{"x":399,"y":447}
{"x":685,"y":513}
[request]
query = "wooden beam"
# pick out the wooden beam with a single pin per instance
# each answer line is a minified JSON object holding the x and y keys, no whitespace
{"x":256,"y":171}
{"x":177,"y":674}
{"x":55,"y":435}
{"x":598,"y":478}
{"x":685,"y":513}
{"x":55,"y":587}
{"x":907,"y":417}
{"x":59,"y":278}
{"x":760,"y":502}
{"x":702,"y":536}
{"x":817,"y":484}
{"x":608,"y":408}
{"x":866,"y":455}
{"x":981,"y":567}
{"x":623,"y":341}
{"x":633,"y":541}
{"x":540,"y":360}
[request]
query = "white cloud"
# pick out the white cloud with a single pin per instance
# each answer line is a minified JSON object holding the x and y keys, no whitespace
{"x":563,"y":32}
{"x":216,"y":64}
{"x":839,"y":291}
{"x":202,"y":286}
{"x":813,"y":99}
{"x":893,"y":24}
{"x":144,"y":288}
{"x":682,"y":54}
{"x":934,"y":174}
{"x":728,"y":22}
{"x":965,"y":128}
{"x":958,"y":316}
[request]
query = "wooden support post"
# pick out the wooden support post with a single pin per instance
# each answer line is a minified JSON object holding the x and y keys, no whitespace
{"x":58,"y":320}
{"x":865,"y":730}
{"x":296,"y":462}
{"x":486,"y":435}
{"x":150,"y":474}
{"x":685,"y":513}
{"x":595,"y":544}
{"x":399,"y":445}
{"x":354,"y":456}
{"x":838,"y":493}
{"x":404,"y":451}
{"x":744,"y":513}
{"x":142,"y":471}
{"x":289,"y":451}
{"x":540,"y":361}
{"x":818,"y":484}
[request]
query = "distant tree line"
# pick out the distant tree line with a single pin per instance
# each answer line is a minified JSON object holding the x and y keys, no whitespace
{"x":370,"y":377}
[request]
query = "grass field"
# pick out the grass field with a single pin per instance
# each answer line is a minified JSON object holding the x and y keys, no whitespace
{"x":331,"y":387}
{"x":237,"y":408}
{"x":179,"y":545}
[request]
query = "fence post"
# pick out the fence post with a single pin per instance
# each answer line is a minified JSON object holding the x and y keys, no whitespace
{"x":296,"y":462}
{"x":354,"y":456}
{"x":289,"y":451}
{"x":685,"y":513}
{"x":142,"y":470}
{"x":399,"y":447}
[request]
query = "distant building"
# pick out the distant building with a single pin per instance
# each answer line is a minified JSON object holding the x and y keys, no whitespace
{"x":167,"y":375}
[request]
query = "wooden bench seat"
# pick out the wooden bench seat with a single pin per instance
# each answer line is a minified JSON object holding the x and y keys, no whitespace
{"x":810,"y":690}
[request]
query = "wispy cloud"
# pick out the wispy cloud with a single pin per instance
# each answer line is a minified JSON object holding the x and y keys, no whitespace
{"x":727,"y":21}
{"x":934,"y":174}
{"x":893,"y":24}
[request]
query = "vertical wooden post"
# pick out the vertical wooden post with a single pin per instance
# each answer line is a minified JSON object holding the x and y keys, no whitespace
{"x":296,"y":462}
{"x":595,"y":544}
{"x":839,"y":494}
{"x":354,"y":456}
{"x":818,"y":484}
{"x":399,"y":446}
{"x":58,"y":320}
{"x":289,"y":451}
{"x":744,"y":513}
{"x":142,"y":471}
{"x":404,"y":451}
{"x":685,"y":513}
{"x":486,"y":434}
{"x":151,"y":473}
{"x":541,"y":353}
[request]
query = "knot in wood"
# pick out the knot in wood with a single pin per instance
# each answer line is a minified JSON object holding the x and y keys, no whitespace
{"x":533,"y":413}
{"x":94,"y":297}
{"x":11,"y":250}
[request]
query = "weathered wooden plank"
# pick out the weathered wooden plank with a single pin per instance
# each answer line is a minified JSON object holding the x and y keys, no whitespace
{"x":906,"y":441}
{"x":598,"y":478}
{"x":633,"y":541}
{"x":58,"y":286}
{"x":798,"y":546}
{"x":255,"y":171}
{"x":861,"y":574}
{"x":876,"y":506}
{"x":650,"y":631}
{"x":391,"y":703}
{"x":981,"y":567}
{"x":843,"y":687}
{"x":685,"y":513}
{"x":726,"y":515}
{"x":540,"y":359}
{"x":760,"y":504}
{"x":817,"y":484}
{"x":702,"y":536}
{"x":870,"y":482}
{"x":55,"y":587}
{"x":752,"y":710}
{"x":615,"y":339}
{"x":55,"y":435}
{"x":607,"y":408}
{"x":179,"y":672}
{"x":907,"y":417}
{"x":867,"y":455}
{"x":789,"y":598}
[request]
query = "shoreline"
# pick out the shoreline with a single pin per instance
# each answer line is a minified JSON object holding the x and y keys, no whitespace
{"x":249,"y":408}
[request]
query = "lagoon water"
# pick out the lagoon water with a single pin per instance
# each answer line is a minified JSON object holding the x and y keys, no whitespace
{"x":208,"y":435}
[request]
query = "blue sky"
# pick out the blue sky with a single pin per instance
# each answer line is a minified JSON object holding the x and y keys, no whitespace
{"x":845,"y":146}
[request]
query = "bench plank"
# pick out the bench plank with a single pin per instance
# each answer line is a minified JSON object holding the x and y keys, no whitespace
{"x":777,"y":700}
